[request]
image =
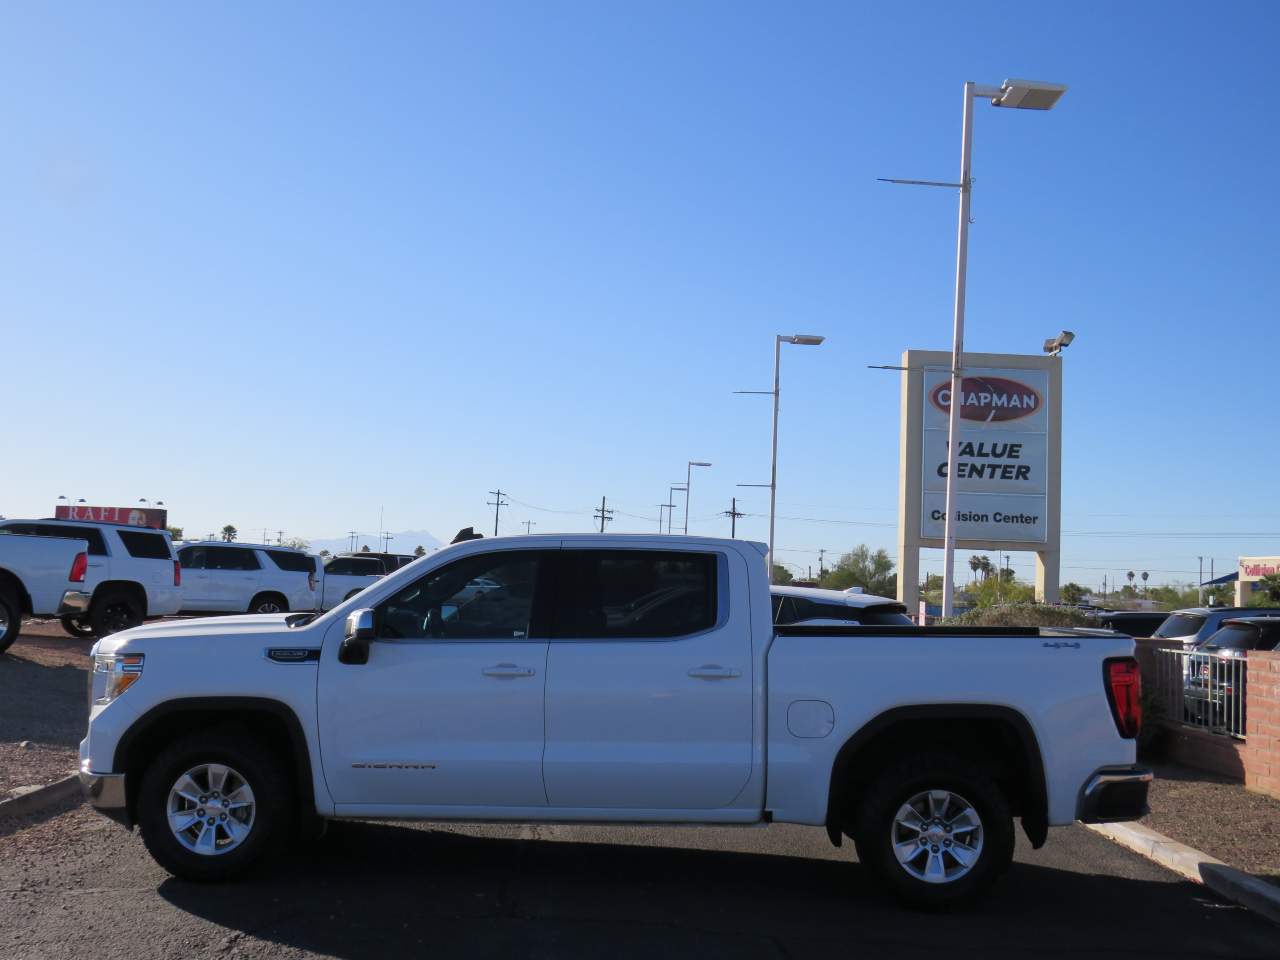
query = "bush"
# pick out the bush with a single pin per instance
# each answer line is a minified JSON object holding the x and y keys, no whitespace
{"x":1021,"y":615}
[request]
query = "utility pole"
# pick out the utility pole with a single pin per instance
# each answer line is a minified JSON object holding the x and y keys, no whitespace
{"x":279,"y":537}
{"x":528,"y":526}
{"x":661,"y":507}
{"x":822,"y":552}
{"x":351,"y":547}
{"x":1200,"y":583}
{"x":603,"y":514}
{"x":733,"y":515}
{"x":671,"y":505}
{"x":497,"y":503}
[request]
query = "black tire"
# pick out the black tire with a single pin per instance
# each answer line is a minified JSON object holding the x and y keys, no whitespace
{"x":114,"y":611}
{"x":77,"y":627}
{"x":877,"y":830}
{"x":257,"y":766}
{"x":269,"y":603}
{"x":10,"y":618}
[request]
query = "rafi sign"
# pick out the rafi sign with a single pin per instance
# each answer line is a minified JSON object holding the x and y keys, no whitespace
{"x":989,"y":399}
{"x":1001,"y":457}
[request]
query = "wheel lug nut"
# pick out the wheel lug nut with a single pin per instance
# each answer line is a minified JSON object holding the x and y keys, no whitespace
{"x":200,"y":813}
{"x":204,"y":799}
{"x":223,"y":816}
{"x":211,"y":824}
{"x":934,"y":848}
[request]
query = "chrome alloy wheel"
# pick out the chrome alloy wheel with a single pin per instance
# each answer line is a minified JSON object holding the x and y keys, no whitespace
{"x":267,"y":606}
{"x":937,"y":836}
{"x":211,"y":809}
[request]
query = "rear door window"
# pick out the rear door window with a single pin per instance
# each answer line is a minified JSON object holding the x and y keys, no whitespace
{"x":634,"y":594}
{"x":1181,"y":625}
{"x":192,"y":558}
{"x":291,"y":561}
{"x":231,"y":558}
{"x":1238,"y":636}
{"x":145,"y":546}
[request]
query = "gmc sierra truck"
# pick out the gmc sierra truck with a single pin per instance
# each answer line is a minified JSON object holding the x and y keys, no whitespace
{"x":610,"y":679}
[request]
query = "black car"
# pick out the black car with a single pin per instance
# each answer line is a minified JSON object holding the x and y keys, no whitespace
{"x":1135,"y":623}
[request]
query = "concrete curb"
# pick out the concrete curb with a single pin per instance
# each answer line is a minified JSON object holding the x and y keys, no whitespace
{"x":1228,"y":882}
{"x":31,"y":799}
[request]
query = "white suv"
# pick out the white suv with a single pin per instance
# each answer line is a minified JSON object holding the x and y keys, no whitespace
{"x":131,"y":575}
{"x":222,"y":577}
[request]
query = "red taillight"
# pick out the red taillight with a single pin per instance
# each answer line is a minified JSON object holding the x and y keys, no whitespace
{"x":177,"y":573}
{"x":78,"y":568}
{"x":1124,"y":693}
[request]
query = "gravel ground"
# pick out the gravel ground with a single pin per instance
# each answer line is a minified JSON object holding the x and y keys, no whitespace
{"x":43,"y":702}
{"x":1218,"y":817}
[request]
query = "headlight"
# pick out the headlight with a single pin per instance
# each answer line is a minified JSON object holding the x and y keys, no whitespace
{"x":113,"y":674}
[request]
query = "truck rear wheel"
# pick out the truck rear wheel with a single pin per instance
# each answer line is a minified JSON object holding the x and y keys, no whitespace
{"x":269,"y":603}
{"x":114,"y":611}
{"x":77,"y":627}
{"x":212,"y":805}
{"x":10,"y":618}
{"x":936,"y":830}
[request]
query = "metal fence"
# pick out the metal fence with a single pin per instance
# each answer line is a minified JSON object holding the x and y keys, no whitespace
{"x":1202,"y":690}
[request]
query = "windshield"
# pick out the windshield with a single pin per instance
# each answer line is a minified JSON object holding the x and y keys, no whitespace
{"x":1235,"y":637}
{"x":1180,"y":625}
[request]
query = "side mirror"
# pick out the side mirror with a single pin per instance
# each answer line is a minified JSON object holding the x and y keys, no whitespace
{"x":359,"y":634}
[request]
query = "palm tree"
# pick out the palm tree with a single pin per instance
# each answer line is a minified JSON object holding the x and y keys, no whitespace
{"x":975,"y":564}
{"x":229,"y":533}
{"x":1130,"y":576}
{"x":1144,"y":581}
{"x":985,"y":566}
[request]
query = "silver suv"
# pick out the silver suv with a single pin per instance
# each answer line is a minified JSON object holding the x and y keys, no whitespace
{"x":1194,"y":625}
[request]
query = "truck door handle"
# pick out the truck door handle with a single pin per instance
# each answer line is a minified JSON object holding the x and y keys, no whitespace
{"x":508,"y":670}
{"x":713,"y":671}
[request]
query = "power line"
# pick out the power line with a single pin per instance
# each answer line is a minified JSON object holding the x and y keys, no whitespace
{"x":603,"y":514}
{"x":497,"y":503}
{"x":733,"y":515}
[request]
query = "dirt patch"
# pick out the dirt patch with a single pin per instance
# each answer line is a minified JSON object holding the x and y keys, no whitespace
{"x":1218,"y":817}
{"x":44,"y":700}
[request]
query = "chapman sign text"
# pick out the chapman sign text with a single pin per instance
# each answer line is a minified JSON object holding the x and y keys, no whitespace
{"x":1002,"y":455}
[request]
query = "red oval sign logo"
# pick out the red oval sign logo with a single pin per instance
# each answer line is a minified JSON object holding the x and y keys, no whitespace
{"x":989,"y":399}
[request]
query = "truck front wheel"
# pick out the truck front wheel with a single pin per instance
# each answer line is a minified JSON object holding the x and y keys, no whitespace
{"x":936,"y":830}
{"x":10,"y":618}
{"x":211,"y":805}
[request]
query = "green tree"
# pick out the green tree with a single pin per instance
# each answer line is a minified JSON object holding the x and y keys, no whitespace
{"x":419,"y":551}
{"x":229,"y":533}
{"x":365,"y":549}
{"x":781,"y":574}
{"x":296,"y":542}
{"x":975,"y":564}
{"x":861,"y":567}
{"x":175,"y":532}
{"x":1072,"y":592}
{"x":1002,"y":589}
{"x":1267,"y":593}
{"x":324,"y":553}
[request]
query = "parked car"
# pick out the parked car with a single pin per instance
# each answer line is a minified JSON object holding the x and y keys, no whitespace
{"x":132,"y":573}
{"x":222,"y":577}
{"x":814,"y":607}
{"x":554,"y":696}
{"x":39,"y":576}
{"x":1213,"y":693}
{"x":1136,"y":623}
{"x":1196,"y":624}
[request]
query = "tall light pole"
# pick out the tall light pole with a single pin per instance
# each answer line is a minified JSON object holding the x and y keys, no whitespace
{"x":688,"y":487}
{"x":799,"y":339}
{"x":671,"y":513}
{"x":1022,"y":95}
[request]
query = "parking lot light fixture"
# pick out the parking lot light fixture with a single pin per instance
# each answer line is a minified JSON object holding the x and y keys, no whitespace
{"x":688,"y":486}
{"x":1028,"y":94}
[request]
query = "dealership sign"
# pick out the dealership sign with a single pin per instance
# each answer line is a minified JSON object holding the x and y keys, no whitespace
{"x":1002,"y":455}
{"x":1253,"y":569}
{"x":130,"y":516}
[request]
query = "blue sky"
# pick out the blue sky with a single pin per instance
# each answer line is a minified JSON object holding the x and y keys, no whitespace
{"x":290,"y":265}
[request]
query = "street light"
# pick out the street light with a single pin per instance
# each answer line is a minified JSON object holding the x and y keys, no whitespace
{"x":671,"y":515}
{"x":1022,"y":95}
{"x":688,"y":486}
{"x":1055,"y":346}
{"x":798,"y":339}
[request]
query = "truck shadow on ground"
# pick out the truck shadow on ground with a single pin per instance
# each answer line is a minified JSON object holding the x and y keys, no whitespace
{"x":377,"y":890}
{"x":44,"y":703}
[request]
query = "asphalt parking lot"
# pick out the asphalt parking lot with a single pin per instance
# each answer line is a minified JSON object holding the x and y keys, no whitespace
{"x":74,"y":884}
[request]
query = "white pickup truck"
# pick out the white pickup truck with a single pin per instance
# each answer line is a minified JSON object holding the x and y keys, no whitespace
{"x":610,"y":679}
{"x":39,"y":577}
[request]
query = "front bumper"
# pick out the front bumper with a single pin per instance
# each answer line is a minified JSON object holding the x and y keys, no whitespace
{"x":1114,"y":794}
{"x":75,"y":603}
{"x":106,"y":792}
